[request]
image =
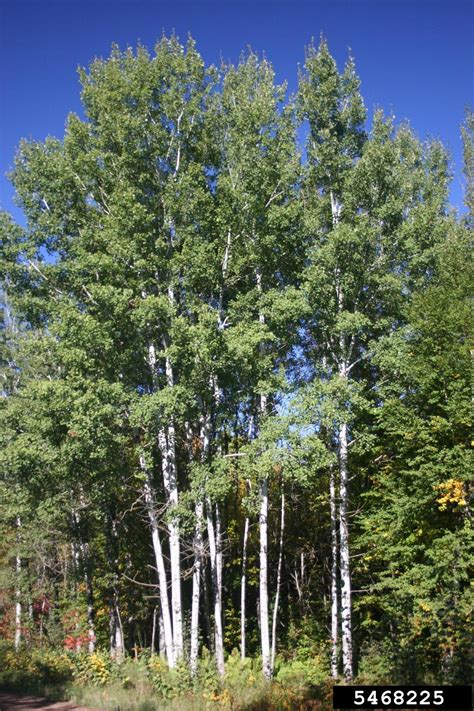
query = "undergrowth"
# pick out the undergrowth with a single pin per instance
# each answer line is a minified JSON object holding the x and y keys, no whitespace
{"x":146,"y":683}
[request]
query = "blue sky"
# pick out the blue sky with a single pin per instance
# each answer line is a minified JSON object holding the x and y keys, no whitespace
{"x":415,"y":57}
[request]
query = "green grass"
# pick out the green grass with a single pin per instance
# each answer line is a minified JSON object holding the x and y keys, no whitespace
{"x":147,"y":684}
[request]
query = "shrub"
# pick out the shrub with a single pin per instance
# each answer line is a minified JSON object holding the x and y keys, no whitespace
{"x":169,"y":683}
{"x":242,"y":672}
{"x":308,"y":672}
{"x":29,"y":670}
{"x":96,"y":668}
{"x":207,"y":680}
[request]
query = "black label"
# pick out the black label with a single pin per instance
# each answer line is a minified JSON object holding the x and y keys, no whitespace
{"x":403,"y":697}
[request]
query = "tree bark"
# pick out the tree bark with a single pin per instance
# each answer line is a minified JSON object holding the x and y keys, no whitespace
{"x":218,"y":631}
{"x":18,"y":589}
{"x":346,"y":608}
{"x":264,"y":620}
{"x":263,"y":527}
{"x":334,"y":569}
{"x":167,"y":443}
{"x":150,"y":505}
{"x":153,"y":631}
{"x":278,"y":582}
{"x":116,"y":639}
{"x":219,"y":558}
{"x":346,"y":601}
{"x":89,"y":596}
{"x":197,"y":545}
{"x":161,"y":637}
{"x":207,"y":610}
{"x":243,"y":584}
{"x":83,"y":557}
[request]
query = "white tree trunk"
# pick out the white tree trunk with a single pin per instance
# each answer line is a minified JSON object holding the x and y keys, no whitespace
{"x":334,"y":568}
{"x":243,"y":585}
{"x":278,"y":584}
{"x":167,"y":446}
{"x":153,"y":631}
{"x":346,"y":601}
{"x":218,"y":630}
{"x":116,"y":639}
{"x":161,"y":637}
{"x":205,"y":435}
{"x":119,"y":644}
{"x":76,"y":557}
{"x":219,"y":559}
{"x":197,"y":545}
{"x":167,"y":443}
{"x":264,"y":620}
{"x":263,"y":528}
{"x":18,"y":589}
{"x":83,"y":556}
{"x":90,"y":596}
{"x":346,"y":597}
{"x":346,"y":611}
{"x":160,"y":563}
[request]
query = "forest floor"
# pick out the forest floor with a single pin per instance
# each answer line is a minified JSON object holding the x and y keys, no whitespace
{"x":18,"y":702}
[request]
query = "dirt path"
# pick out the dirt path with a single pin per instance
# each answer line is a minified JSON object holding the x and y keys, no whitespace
{"x":16,"y":702}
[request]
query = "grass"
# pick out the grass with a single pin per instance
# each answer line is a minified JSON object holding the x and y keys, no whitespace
{"x":147,"y":684}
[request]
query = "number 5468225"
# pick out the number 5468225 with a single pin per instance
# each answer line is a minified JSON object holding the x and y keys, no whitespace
{"x":399,"y":698}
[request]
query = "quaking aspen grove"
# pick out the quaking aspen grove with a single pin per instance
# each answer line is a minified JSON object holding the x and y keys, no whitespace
{"x":236,"y":412}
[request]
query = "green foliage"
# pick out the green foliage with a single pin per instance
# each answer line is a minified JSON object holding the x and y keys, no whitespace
{"x":168,"y":683}
{"x":303,"y":673}
{"x":34,"y":669}
{"x":419,"y":542}
{"x":184,"y":274}
{"x":97,"y":668}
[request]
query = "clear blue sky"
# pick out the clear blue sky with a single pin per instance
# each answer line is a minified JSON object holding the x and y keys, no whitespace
{"x":415,"y":57}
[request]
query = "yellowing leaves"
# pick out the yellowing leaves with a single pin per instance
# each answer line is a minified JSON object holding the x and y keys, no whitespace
{"x":451,"y":492}
{"x":424,"y":606}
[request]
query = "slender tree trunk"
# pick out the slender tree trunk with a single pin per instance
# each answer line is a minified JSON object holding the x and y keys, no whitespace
{"x":89,"y":596}
{"x":161,"y":636}
{"x":197,"y":545}
{"x":153,"y":631}
{"x":263,"y":526}
{"x":346,"y":611}
{"x":346,"y":597}
{"x":243,"y":585}
{"x":278,"y":583}
{"x":160,"y":563}
{"x":116,"y":639}
{"x":167,"y":442}
{"x":219,"y":558}
{"x":118,"y":643}
{"x":83,"y":556}
{"x":218,"y":630}
{"x":41,"y":624}
{"x":205,"y":435}
{"x":167,"y":445}
{"x":346,"y":601}
{"x":76,"y":558}
{"x":264,"y":618}
{"x":207,"y":610}
{"x":334,"y":569}
{"x":18,"y":588}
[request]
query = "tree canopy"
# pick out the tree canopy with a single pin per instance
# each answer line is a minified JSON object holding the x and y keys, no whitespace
{"x":236,"y":377}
